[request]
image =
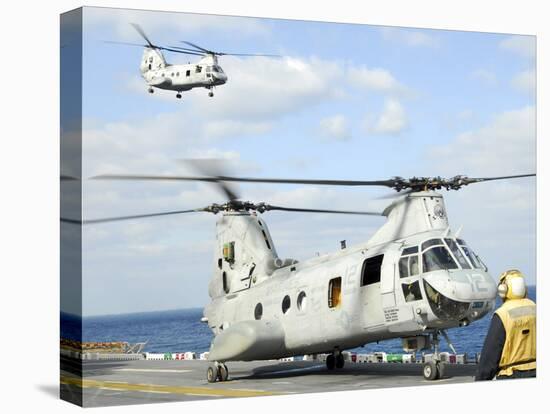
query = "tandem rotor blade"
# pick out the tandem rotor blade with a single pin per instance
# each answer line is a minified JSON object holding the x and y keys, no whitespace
{"x":397,"y":183}
{"x":67,"y":177}
{"x":386,"y":183}
{"x":313,"y":210}
{"x":198,"y":48}
{"x":202,"y":49}
{"x":213,"y":167}
{"x":468,"y":180}
{"x":170,"y":49}
{"x":142,"y":33}
{"x":136,"y":216}
{"x":246,"y":54}
{"x":116,"y":42}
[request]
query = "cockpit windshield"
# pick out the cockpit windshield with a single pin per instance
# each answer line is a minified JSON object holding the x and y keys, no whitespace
{"x":438,"y":254}
{"x":474,"y":259}
{"x":458,"y":254}
{"x":216,"y":68}
{"x":437,"y":258}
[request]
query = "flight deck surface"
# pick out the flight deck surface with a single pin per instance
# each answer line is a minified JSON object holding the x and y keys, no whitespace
{"x":108,"y":383}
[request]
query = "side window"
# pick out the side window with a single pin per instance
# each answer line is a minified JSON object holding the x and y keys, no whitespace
{"x":285,"y":306}
{"x":225,"y":282}
{"x":258,"y":311}
{"x":370,"y":272}
{"x":334,"y":292}
{"x":301,"y":302}
{"x":188,"y":73}
{"x":408,"y":266}
{"x":404,"y":267}
{"x":198,"y":69}
{"x":413,"y":265}
{"x":411,"y":291}
{"x":229,"y":252}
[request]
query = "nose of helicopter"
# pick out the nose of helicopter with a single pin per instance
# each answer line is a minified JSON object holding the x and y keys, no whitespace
{"x":221,"y":78}
{"x":463,"y":285}
{"x":460,"y":294}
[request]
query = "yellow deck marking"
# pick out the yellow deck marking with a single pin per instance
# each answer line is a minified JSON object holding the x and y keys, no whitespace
{"x":222,"y":392}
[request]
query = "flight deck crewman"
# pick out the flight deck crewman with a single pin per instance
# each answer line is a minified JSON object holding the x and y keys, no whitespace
{"x":510,"y":347}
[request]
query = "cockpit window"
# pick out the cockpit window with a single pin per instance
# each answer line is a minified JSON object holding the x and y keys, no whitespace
{"x":409,"y":250}
{"x":438,"y":254}
{"x":458,"y":254}
{"x":437,"y":258}
{"x":217,"y":69}
{"x":408,"y":265}
{"x":471,"y":255}
{"x":431,"y":242}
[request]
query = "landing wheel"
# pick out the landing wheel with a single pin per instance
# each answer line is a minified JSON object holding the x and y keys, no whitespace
{"x":440,"y":370}
{"x":178,"y":95}
{"x":223,"y":372}
{"x":211,"y":94}
{"x":150,"y":90}
{"x":212,"y":373}
{"x":430,"y":371}
{"x":331,"y":362}
{"x":340,"y":361}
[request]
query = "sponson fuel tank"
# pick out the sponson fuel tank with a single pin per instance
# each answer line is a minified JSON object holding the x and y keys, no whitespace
{"x":248,"y":341}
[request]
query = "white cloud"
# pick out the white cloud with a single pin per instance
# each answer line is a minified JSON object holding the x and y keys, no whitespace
{"x":335,"y":127}
{"x":526,"y":81}
{"x":506,"y":145}
{"x":391,"y":121}
{"x":376,"y":79}
{"x":525,"y":46}
{"x":485,"y":76}
{"x":414,"y":38}
{"x":268,"y":88}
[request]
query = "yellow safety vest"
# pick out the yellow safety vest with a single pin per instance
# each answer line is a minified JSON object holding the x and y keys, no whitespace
{"x":520,"y":348}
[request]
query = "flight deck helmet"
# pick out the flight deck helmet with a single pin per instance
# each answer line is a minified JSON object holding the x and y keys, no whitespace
{"x":512,"y":285}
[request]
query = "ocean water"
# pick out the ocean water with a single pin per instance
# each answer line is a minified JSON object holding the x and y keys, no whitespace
{"x":182,"y":331}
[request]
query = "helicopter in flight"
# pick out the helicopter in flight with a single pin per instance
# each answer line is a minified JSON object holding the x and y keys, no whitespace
{"x":413,"y":279}
{"x":206,"y":73}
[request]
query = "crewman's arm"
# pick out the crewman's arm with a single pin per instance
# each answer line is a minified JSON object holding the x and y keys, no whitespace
{"x":492,"y":350}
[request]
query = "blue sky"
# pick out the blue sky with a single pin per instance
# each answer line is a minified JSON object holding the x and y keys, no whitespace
{"x":344,"y":101}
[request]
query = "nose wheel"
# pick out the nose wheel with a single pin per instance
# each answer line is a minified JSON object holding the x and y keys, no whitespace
{"x":217,"y":372}
{"x":150,"y":90}
{"x":432,"y":370}
{"x":435,"y":369}
{"x":178,"y":95}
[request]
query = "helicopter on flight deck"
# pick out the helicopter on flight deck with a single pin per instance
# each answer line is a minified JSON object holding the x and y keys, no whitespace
{"x":413,"y":279}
